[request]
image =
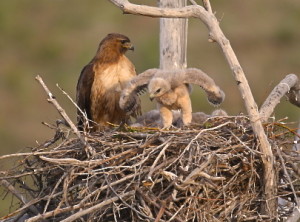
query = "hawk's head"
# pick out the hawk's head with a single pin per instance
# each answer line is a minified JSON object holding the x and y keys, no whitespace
{"x":115,"y":44}
{"x":158,"y":87}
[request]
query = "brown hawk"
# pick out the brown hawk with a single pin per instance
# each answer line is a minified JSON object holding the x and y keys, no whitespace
{"x":101,"y":82}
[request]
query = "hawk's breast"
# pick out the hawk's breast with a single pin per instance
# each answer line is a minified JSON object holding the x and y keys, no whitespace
{"x":108,"y":83}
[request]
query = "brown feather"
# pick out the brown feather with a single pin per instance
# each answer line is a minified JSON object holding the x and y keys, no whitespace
{"x":102,"y":80}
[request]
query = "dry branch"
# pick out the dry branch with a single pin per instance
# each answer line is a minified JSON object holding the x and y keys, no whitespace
{"x":207,"y":6}
{"x":216,"y":34}
{"x":62,"y":112}
{"x":16,"y":193}
{"x":288,"y":86}
{"x":97,"y":206}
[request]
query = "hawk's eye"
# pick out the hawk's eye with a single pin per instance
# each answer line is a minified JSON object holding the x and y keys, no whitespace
{"x":123,"y":41}
{"x":157,"y":91}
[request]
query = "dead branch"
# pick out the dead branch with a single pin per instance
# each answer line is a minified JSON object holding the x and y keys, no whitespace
{"x":288,"y":86}
{"x":98,"y":206}
{"x":23,"y":199}
{"x":216,"y":34}
{"x":62,"y":112}
{"x":84,"y":116}
{"x":288,"y":177}
{"x":207,"y":6}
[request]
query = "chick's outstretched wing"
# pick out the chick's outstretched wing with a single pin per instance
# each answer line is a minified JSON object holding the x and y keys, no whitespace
{"x":195,"y":76}
{"x":133,"y":88}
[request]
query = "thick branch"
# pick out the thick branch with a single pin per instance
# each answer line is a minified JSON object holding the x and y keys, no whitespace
{"x":216,"y":34}
{"x":288,"y":86}
{"x":183,"y":12}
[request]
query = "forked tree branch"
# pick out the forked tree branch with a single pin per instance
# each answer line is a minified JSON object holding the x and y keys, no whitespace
{"x":207,"y":6}
{"x":51,"y":99}
{"x":288,"y":86}
{"x":216,"y":34}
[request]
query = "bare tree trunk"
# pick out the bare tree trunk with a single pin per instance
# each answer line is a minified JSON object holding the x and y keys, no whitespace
{"x":173,"y":38}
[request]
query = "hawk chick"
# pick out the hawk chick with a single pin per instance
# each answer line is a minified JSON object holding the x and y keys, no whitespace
{"x":153,"y":119}
{"x":101,"y":82}
{"x":171,"y":90}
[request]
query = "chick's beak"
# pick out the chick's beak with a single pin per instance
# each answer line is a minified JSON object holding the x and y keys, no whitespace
{"x":151,"y":97}
{"x":128,"y":46}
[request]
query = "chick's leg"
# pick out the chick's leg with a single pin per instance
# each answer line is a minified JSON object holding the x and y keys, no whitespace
{"x":186,"y":109}
{"x":166,"y":116}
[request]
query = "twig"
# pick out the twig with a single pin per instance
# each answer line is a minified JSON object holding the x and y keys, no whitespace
{"x":16,"y":193}
{"x":207,"y":6}
{"x":126,"y":204}
{"x":199,"y":173}
{"x":201,"y":132}
{"x":96,"y":207}
{"x":167,"y":144}
{"x":296,"y":146}
{"x":62,"y":112}
{"x":28,"y":154}
{"x":52,"y":193}
{"x":57,"y":212}
{"x":160,"y":213}
{"x":75,"y":104}
{"x":86,"y":163}
{"x":193,"y":2}
{"x":288,"y":176}
{"x":154,"y":202}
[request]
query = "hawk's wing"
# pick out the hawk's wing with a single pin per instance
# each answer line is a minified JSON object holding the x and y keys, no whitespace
{"x":83,"y":93}
{"x":134,"y":88}
{"x":196,"y":76}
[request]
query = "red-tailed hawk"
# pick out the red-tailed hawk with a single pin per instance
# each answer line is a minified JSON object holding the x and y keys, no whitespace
{"x":171,"y":90}
{"x":101,"y":82}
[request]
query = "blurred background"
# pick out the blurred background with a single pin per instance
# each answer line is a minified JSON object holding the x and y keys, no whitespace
{"x":55,"y":39}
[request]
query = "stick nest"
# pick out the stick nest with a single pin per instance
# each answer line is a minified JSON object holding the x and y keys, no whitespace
{"x":209,"y":172}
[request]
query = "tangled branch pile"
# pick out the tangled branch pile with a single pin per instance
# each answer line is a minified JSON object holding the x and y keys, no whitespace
{"x":203,"y":173}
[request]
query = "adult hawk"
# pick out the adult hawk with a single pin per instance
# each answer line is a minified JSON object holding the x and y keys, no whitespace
{"x":101,"y":82}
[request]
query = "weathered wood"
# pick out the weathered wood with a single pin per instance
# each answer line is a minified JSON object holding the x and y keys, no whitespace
{"x":51,"y":99}
{"x":173,"y":38}
{"x":289,"y":85}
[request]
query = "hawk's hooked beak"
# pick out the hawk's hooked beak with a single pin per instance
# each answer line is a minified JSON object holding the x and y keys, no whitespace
{"x":128,"y":46}
{"x":151,"y":97}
